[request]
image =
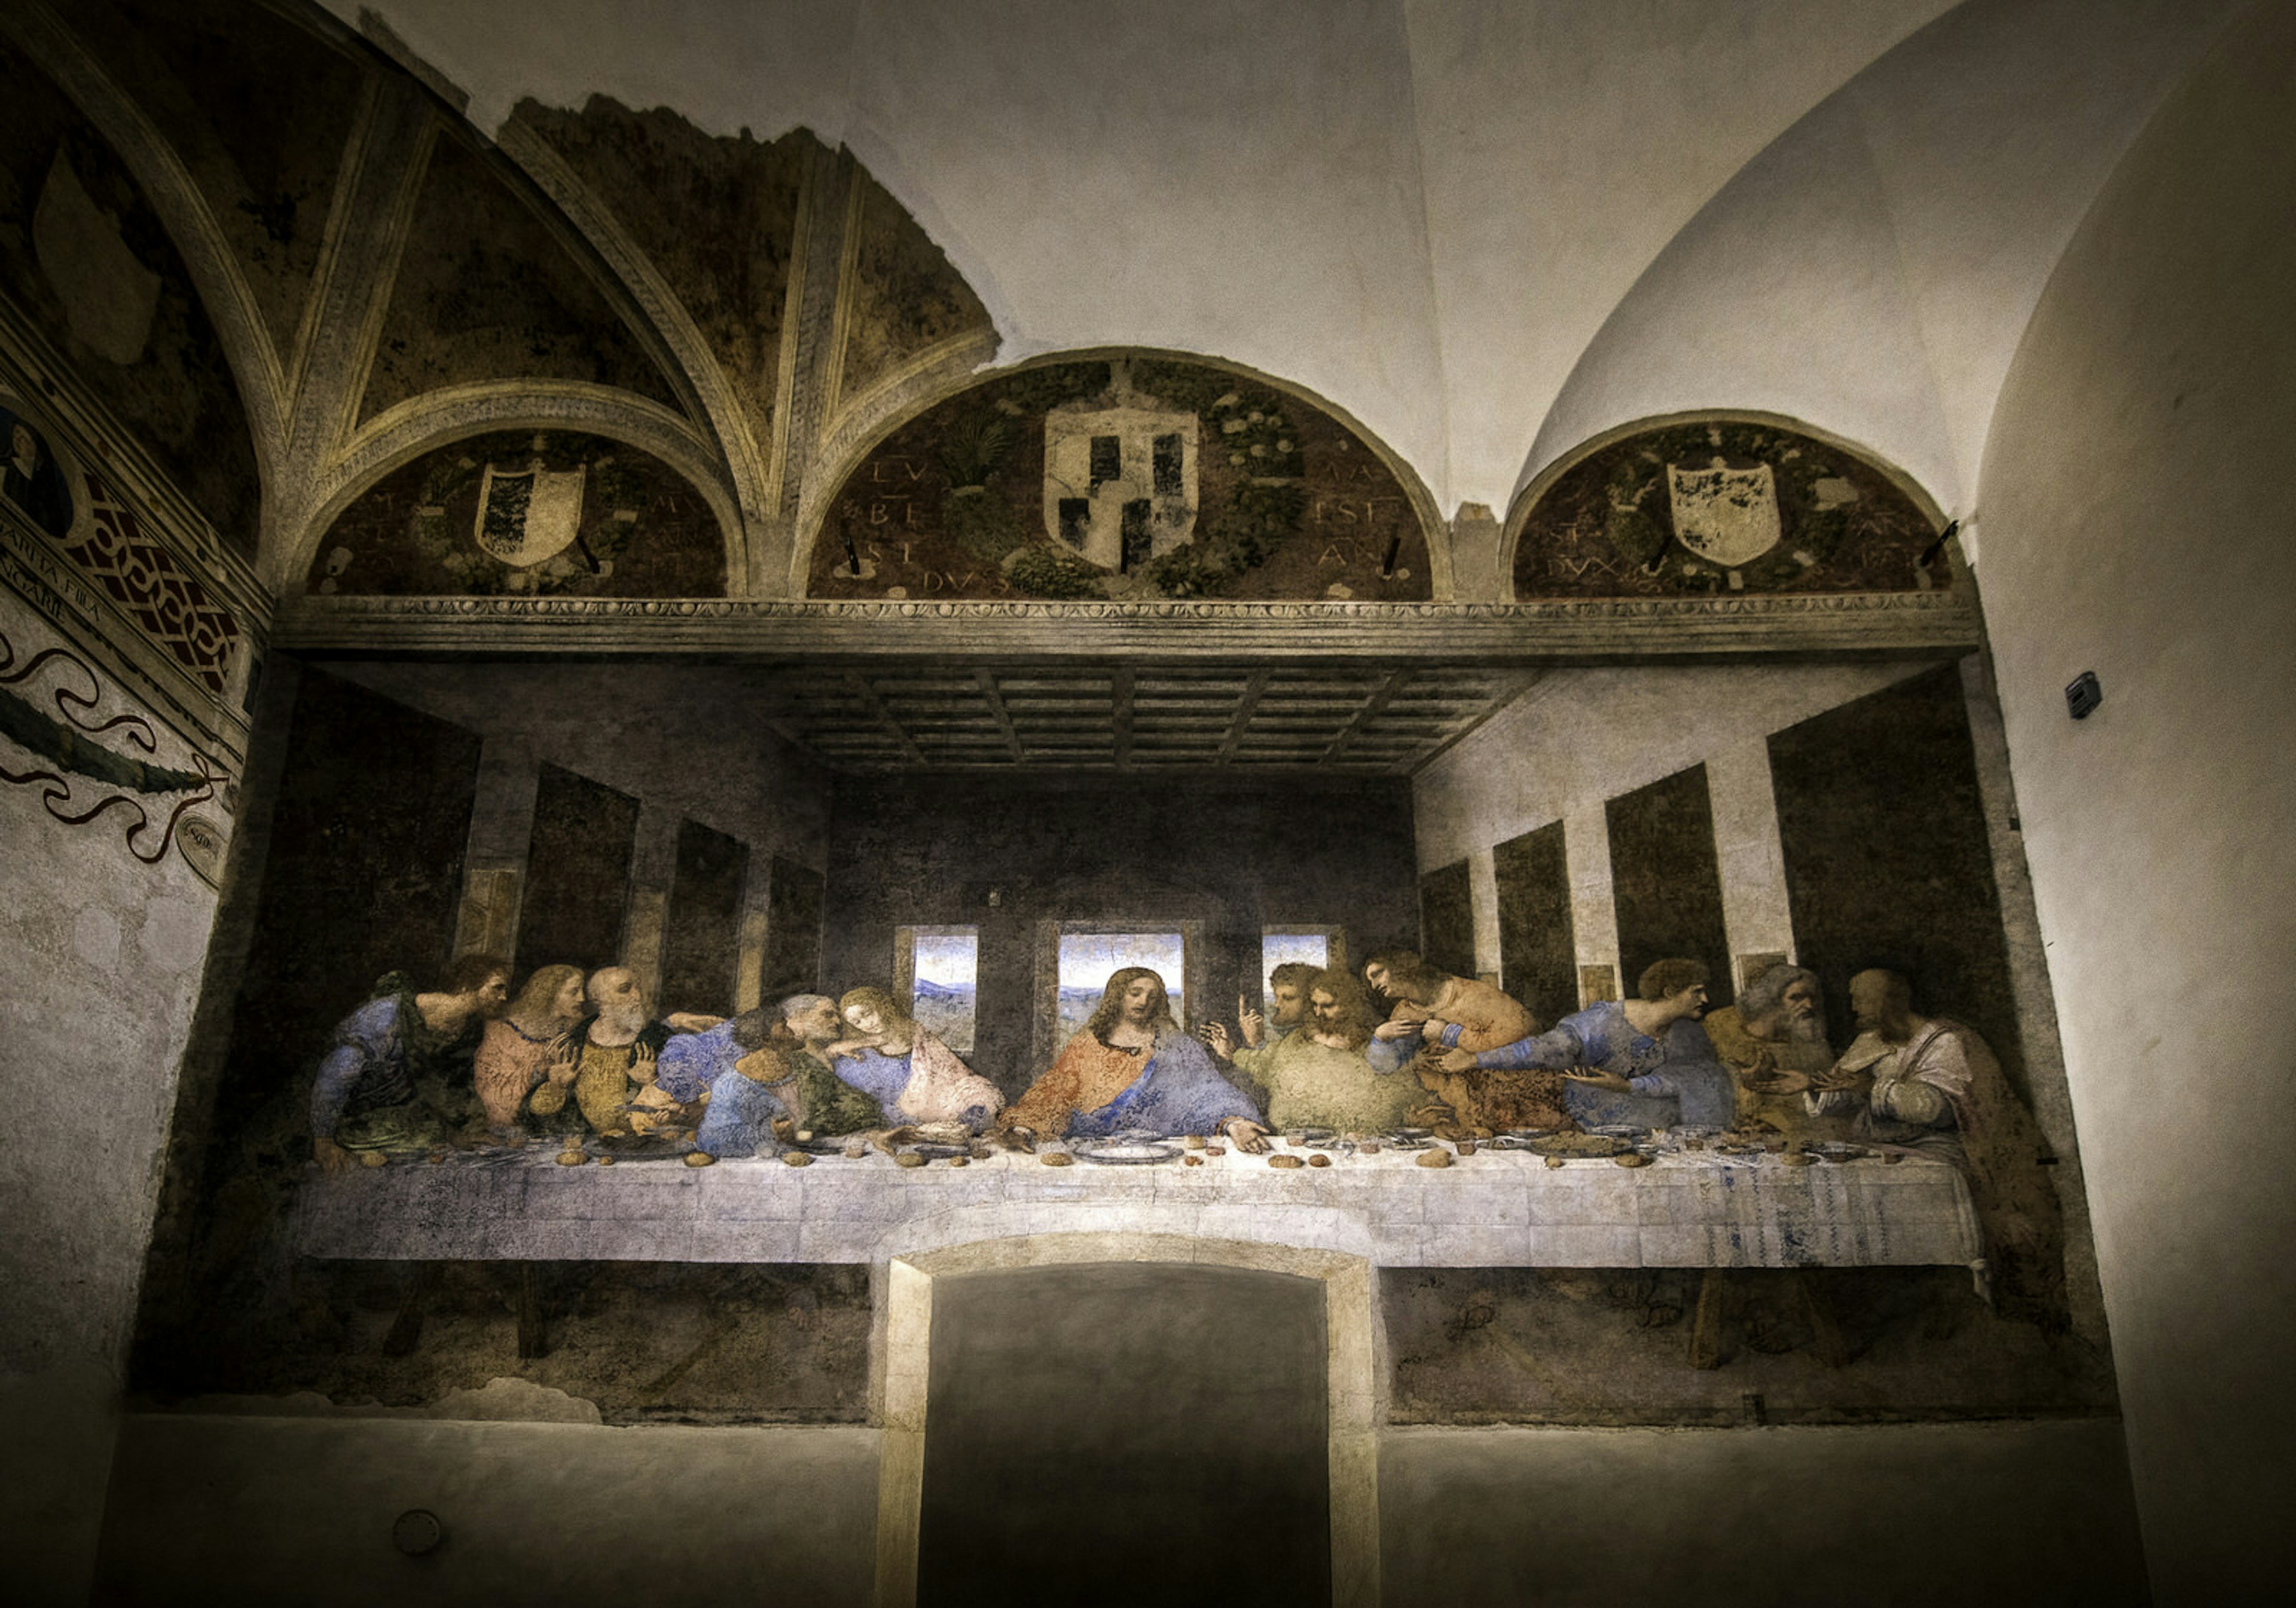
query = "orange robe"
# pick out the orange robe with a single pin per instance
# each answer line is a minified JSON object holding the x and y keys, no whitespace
{"x":1500,"y":1098}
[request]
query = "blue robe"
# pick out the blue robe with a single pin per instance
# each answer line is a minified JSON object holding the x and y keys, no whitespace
{"x":1179,"y":1091}
{"x":1677,"y":1082}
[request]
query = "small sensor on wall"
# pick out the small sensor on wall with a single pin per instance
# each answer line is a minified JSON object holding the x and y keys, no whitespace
{"x":2083,"y":694}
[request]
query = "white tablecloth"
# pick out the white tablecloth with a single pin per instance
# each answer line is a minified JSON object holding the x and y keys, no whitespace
{"x":1492,"y":1209}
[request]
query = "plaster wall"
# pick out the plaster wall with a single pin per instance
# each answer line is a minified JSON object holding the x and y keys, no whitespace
{"x":278,"y":1510}
{"x":2136,"y":527}
{"x":275,"y":1509}
{"x":1976,"y":1512}
{"x":106,"y":956}
{"x":1871,"y":271}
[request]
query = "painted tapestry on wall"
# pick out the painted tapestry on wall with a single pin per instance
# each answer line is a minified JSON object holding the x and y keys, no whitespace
{"x":526,"y":513}
{"x":1140,"y":478}
{"x":84,"y":258}
{"x":1721,"y":507}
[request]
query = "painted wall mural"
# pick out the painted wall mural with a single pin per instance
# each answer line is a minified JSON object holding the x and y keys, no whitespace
{"x":905,"y":298}
{"x":526,"y":513}
{"x":1827,"y":1198}
{"x":84,"y":258}
{"x":1136,"y":477}
{"x":485,"y":290}
{"x":716,"y":215}
{"x":94,"y":759}
{"x":1720,"y":506}
{"x":258,"y":107}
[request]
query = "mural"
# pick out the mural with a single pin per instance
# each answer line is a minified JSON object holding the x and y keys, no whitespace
{"x":716,"y":216}
{"x":258,"y":107}
{"x":1138,"y":477}
{"x":485,"y":290}
{"x":65,"y":740}
{"x":1719,"y":506}
{"x":30,"y":478}
{"x":905,"y":298}
{"x":84,"y":256}
{"x":526,"y":513}
{"x":1833,"y":1222}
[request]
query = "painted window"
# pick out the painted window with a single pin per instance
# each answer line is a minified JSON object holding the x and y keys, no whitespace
{"x":1088,"y":960}
{"x":1316,"y":946}
{"x":942,"y":965}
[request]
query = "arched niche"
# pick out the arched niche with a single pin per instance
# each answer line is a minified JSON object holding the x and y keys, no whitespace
{"x":1353,"y":1372}
{"x":543,"y":511}
{"x":1126,"y":474}
{"x":1721,"y":502}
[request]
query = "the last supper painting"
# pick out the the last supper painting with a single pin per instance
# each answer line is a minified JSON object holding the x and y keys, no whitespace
{"x":1656,"y":1033}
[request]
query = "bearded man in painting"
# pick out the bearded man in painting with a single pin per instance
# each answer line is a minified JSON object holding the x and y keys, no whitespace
{"x":1775,"y":1027}
{"x":779,"y":1084}
{"x":1936,"y":1087}
{"x":1131,"y":1070}
{"x":1318,"y":1077}
{"x":1434,"y":1012}
{"x":610,"y":1071}
{"x":374,"y":1086}
{"x":521,"y":1046}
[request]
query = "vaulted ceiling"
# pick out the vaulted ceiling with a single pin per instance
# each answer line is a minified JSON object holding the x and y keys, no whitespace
{"x":1490,"y":229}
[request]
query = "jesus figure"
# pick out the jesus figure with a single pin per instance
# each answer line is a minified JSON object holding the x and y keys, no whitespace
{"x":1133,"y":1071}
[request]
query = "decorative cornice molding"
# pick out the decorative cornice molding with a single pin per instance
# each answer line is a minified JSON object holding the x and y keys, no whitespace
{"x":1564,"y":632}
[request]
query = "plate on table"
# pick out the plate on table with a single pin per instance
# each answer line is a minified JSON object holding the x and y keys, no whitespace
{"x":1836,"y":1150}
{"x":1125,"y":1152}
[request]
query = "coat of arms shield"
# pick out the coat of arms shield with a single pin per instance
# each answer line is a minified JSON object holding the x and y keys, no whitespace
{"x":1121,"y":484}
{"x":525,"y":516}
{"x":1726,"y":516}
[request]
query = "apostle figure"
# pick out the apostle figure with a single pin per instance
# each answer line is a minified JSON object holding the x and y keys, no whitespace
{"x":909,"y":1072}
{"x":610,"y":1073}
{"x":519,"y":1047}
{"x":780,"y":1084}
{"x":1774,"y":1028}
{"x":1131,"y":1070}
{"x":1642,"y":1063}
{"x":1434,"y":1012}
{"x":1317,"y":1076}
{"x":376,"y":1087}
{"x":1937,"y":1087}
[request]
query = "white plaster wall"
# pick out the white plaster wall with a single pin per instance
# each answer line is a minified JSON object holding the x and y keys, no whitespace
{"x":1564,"y":144}
{"x":2137,"y":526}
{"x":1889,"y":1514}
{"x":1871,"y":271}
{"x":213,"y":1509}
{"x":104,"y":956}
